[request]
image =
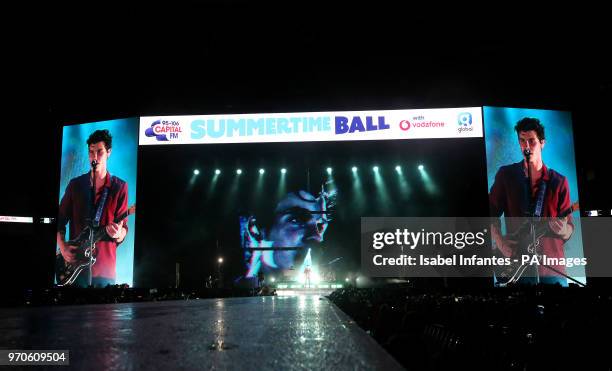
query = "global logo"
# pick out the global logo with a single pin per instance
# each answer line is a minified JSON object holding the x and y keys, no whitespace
{"x":464,"y":120}
{"x":164,"y":130}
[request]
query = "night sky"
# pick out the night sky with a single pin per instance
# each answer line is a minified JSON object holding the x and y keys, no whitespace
{"x":80,"y":65}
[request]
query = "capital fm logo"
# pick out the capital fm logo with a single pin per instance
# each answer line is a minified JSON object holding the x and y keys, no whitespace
{"x":464,"y":120}
{"x":164,"y":130}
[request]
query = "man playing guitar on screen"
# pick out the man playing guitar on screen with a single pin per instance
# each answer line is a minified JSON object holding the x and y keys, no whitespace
{"x":547,"y":196}
{"x":107,"y":216}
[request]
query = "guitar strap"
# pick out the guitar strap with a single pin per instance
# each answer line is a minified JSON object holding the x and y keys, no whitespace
{"x":101,"y":204}
{"x":537,"y":212}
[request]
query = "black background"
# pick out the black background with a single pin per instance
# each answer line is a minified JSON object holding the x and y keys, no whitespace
{"x":71,"y":64}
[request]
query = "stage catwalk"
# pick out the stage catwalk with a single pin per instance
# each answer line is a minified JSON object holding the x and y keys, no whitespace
{"x":280,"y":333}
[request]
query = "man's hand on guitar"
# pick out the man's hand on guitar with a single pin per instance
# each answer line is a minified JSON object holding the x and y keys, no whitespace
{"x":561,"y":227}
{"x":505,"y":246}
{"x":116,"y":231}
{"x":69,"y":253}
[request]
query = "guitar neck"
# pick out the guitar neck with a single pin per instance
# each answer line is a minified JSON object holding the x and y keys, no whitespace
{"x":121,"y":217}
{"x":544,"y":228}
{"x":567,"y":212}
{"x":101,"y":232}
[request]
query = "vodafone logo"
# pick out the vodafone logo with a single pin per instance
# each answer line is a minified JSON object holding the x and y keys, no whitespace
{"x":420,"y":123}
{"x":404,"y":125}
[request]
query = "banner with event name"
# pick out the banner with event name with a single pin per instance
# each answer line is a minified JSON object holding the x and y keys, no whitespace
{"x":312,"y":126}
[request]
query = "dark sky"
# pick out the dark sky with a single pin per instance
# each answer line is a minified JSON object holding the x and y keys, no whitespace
{"x":70,"y":64}
{"x":76,"y":64}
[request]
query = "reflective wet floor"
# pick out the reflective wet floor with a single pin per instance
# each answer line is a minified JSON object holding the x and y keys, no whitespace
{"x":302,"y":332}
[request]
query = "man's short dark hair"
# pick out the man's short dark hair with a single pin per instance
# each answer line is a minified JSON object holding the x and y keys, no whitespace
{"x":528,"y":124}
{"x":266,"y":213}
{"x":101,"y":136}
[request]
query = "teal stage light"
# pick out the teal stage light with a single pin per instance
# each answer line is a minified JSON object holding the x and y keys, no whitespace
{"x":358,"y":198}
{"x":430,"y":186}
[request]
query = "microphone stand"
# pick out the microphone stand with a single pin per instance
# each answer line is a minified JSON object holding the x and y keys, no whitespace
{"x":532,"y":216}
{"x":94,"y":165}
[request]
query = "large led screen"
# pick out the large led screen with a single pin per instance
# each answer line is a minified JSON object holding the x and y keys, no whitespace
{"x":95,"y":238}
{"x":543,"y":139}
{"x":238,"y":197}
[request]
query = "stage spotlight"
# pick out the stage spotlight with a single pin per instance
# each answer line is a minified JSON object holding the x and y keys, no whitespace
{"x":283,"y":171}
{"x":329,"y":170}
{"x":259,"y":185}
{"x":403,"y":183}
{"x":213,"y":183}
{"x":358,"y":194}
{"x":381,"y":189}
{"x":347,"y":279}
{"x":238,"y":171}
{"x":192,"y":181}
{"x":273,"y":279}
{"x":220,"y":260}
{"x":430,"y":186}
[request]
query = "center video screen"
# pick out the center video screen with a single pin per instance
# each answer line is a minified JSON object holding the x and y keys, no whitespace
{"x":281,"y":209}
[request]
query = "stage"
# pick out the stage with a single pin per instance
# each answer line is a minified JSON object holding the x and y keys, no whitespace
{"x":291,"y":288}
{"x":299,"y":331}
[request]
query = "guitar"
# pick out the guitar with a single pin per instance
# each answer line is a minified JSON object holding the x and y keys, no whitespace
{"x":526,"y":245}
{"x":66,"y":273}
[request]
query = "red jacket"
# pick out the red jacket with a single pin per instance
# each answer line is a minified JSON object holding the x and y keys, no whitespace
{"x":509,"y":196}
{"x":75,"y":208}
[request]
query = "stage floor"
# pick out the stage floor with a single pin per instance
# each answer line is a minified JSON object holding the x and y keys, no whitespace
{"x":304,"y":291}
{"x":303,"y":331}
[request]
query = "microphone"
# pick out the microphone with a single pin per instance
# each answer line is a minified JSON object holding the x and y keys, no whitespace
{"x":94,"y":164}
{"x":527,"y":153}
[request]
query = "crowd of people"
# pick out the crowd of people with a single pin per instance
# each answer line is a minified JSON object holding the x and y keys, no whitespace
{"x":502,"y":329}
